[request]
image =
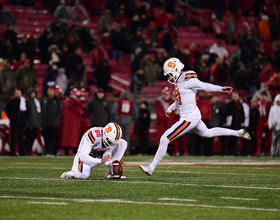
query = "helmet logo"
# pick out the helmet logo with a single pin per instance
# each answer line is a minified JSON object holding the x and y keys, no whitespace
{"x":170,"y":64}
{"x":107,"y":130}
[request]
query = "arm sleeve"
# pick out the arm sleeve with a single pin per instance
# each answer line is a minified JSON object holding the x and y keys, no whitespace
{"x":172,"y":107}
{"x":198,"y":85}
{"x":84,"y":155}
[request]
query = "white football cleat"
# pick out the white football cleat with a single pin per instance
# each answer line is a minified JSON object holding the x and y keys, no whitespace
{"x":146,"y":169}
{"x":244,"y":134}
{"x":110,"y":176}
{"x":66,"y":175}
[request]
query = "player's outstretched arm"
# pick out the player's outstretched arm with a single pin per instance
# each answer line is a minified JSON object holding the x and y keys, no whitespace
{"x":106,"y":158}
{"x":228,"y":90}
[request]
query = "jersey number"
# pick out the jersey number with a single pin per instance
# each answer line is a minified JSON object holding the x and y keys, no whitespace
{"x":178,"y":97}
{"x":125,"y":107}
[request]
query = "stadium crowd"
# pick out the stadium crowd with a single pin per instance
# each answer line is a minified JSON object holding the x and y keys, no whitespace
{"x":146,"y":31}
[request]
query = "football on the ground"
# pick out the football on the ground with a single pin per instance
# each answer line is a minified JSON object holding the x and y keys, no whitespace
{"x":117,"y":169}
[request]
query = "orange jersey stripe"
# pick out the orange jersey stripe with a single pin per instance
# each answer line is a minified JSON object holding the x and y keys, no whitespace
{"x":118,"y":131}
{"x":80,"y":166}
{"x":91,"y":137}
{"x":179,"y":130}
{"x":190,"y":76}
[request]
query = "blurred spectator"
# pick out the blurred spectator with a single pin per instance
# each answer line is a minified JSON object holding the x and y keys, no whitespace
{"x":87,"y":41}
{"x":233,"y":118}
{"x":33,"y":119}
{"x":218,"y":8}
{"x":121,"y":17}
{"x":152,"y":69}
{"x":145,"y":47}
{"x":253,"y":123}
{"x":246,"y":143}
{"x":160,"y":18}
{"x":25,"y":77}
{"x":70,"y":135}
{"x":76,"y":66}
{"x":61,"y":80}
{"x":52,"y":5}
{"x":98,"y":110}
{"x":139,"y":80}
{"x":134,"y":41}
{"x":118,"y":41}
{"x":262,"y":128}
{"x":9,"y":51}
{"x":50,"y":118}
{"x":1,"y":45}
{"x":124,"y":113}
{"x":44,"y":42}
{"x":98,"y":54}
{"x":215,"y":117}
{"x":181,"y":19}
{"x":220,"y":71}
{"x":94,"y":6}
{"x":26,"y":47}
{"x":259,"y":64}
{"x":64,"y":57}
{"x":201,"y":69}
{"x":79,"y":13}
{"x":20,"y":62}
{"x":194,"y":55}
{"x":275,"y":30}
{"x":141,"y":127}
{"x":102,"y":75}
{"x":49,"y":80}
{"x":60,"y":40}
{"x":219,"y":50}
{"x":7,"y":17}
{"x":273,"y":84}
{"x":105,"y":22}
{"x":135,"y":23}
{"x":165,"y":39}
{"x":161,"y":105}
{"x":16,"y":110}
{"x":203,"y":145}
{"x":274,"y":126}
{"x":57,"y":27}
{"x":233,"y":6}
{"x":54,"y":57}
{"x":64,"y":12}
{"x":7,"y":85}
{"x":247,"y":45}
{"x":229,"y":26}
{"x":207,"y":56}
{"x":263,"y":28}
{"x":242,"y":77}
{"x":11,"y":35}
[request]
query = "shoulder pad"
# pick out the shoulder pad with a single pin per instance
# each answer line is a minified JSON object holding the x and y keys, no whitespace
{"x":190,"y":74}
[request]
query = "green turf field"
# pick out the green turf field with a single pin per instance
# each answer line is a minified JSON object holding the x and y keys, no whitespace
{"x":192,"y":188}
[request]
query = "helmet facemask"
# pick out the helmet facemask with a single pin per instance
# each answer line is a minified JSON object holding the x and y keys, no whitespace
{"x":111,"y":135}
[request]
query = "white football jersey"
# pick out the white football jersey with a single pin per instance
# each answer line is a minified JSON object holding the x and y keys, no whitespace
{"x":186,"y":88}
{"x":93,"y":138}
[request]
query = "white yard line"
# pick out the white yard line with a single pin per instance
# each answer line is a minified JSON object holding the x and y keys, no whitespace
{"x":234,"y":198}
{"x":149,"y":182}
{"x":143,"y":203}
{"x":48,"y":203}
{"x":207,"y":163}
{"x":176,"y":199}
